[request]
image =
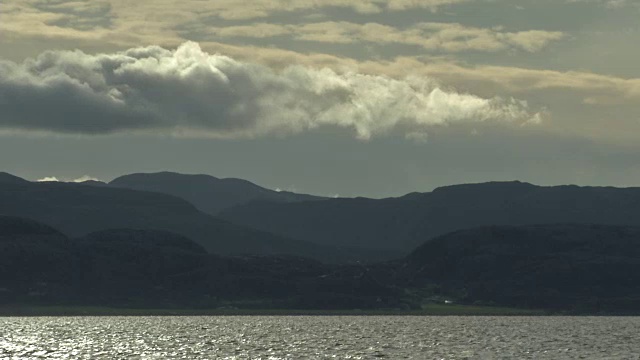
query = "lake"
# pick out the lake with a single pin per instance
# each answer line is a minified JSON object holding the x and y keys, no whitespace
{"x":319,"y":337}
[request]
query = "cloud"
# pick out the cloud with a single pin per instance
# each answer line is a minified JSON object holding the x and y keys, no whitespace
{"x":188,"y":92}
{"x":125,"y":21}
{"x":77,"y":14}
{"x":489,"y":80}
{"x":78,"y":180}
{"x":165,"y":22}
{"x":611,"y":4}
{"x":85,"y":178}
{"x":592,"y":88}
{"x":48,"y":179}
{"x":235,"y":10}
{"x":450,"y":37}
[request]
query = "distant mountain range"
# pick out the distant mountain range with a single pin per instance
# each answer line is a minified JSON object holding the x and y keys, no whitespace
{"x":141,"y":241}
{"x":79,"y":209}
{"x":246,"y":218}
{"x":404,"y":223}
{"x":207,"y":193}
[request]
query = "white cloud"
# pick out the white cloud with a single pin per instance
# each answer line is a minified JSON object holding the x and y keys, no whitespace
{"x":188,"y":92}
{"x":450,"y":37}
{"x":85,"y":178}
{"x":78,"y":180}
{"x":48,"y":179}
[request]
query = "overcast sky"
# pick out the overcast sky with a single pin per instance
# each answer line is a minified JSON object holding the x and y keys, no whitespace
{"x":336,"y":97}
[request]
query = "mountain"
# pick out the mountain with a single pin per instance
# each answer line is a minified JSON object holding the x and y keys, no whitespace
{"x":143,"y":238}
{"x":587,"y":269}
{"x":30,"y":252}
{"x":579,"y":267}
{"x":406,"y":222}
{"x":207,"y":193}
{"x":94,"y":183}
{"x":19,"y":228}
{"x":159,"y":269}
{"x":6,"y":178}
{"x":78,"y":209}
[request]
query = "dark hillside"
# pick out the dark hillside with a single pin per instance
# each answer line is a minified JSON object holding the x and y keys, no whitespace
{"x":406,"y":222}
{"x":158,"y":269}
{"x":7,"y":178}
{"x":78,"y":209}
{"x":591,"y":269}
{"x":594,"y":267}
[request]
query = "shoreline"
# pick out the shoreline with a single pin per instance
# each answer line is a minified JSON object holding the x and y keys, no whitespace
{"x":427,"y":310}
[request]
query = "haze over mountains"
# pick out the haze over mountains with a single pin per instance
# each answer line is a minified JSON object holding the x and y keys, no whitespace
{"x":206,"y":192}
{"x":406,"y":222}
{"x":500,"y":243}
{"x":78,"y":209}
{"x":397,"y":224}
{"x":393,"y":226}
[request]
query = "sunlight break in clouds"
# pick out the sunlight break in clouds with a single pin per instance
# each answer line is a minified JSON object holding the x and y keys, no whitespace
{"x":187,"y":92}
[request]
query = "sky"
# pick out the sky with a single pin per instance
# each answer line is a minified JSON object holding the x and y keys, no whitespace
{"x":368,"y":98}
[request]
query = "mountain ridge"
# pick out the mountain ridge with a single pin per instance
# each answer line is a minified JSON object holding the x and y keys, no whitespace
{"x":208,"y":193}
{"x":78,"y":209}
{"x":404,"y":222}
{"x":10,"y":178}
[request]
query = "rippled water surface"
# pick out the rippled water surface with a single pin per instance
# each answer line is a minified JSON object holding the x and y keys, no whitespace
{"x":283,"y":337}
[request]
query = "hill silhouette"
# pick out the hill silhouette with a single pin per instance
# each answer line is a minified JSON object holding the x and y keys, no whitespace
{"x":144,"y":238}
{"x":77,"y":209}
{"x":94,"y":183}
{"x":206,"y":192}
{"x":18,"y":228}
{"x":6,"y":178}
{"x":159,"y":269}
{"x":30,"y":253}
{"x":570,"y":268}
{"x":404,"y":223}
{"x":580,"y":267}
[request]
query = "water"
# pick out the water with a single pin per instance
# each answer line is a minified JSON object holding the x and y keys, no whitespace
{"x":283,"y":337}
